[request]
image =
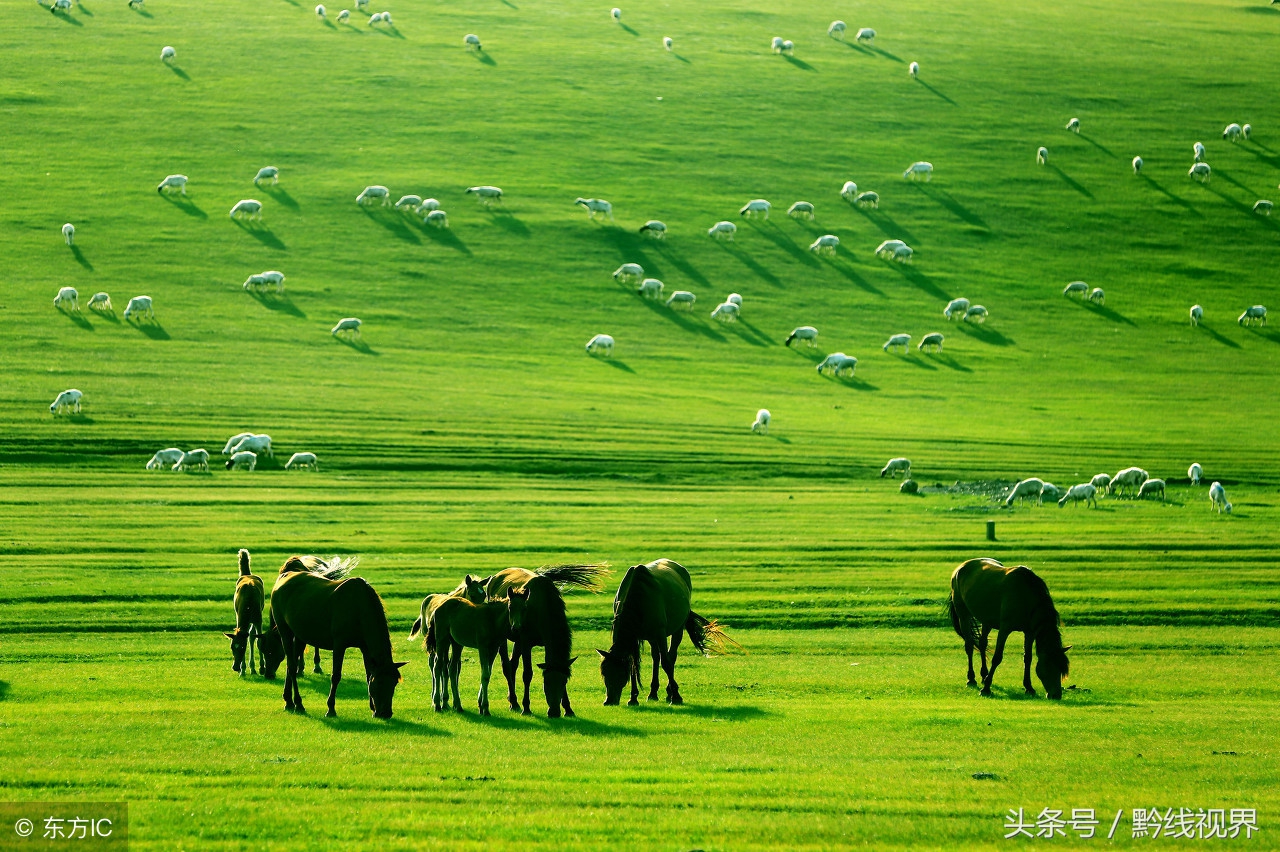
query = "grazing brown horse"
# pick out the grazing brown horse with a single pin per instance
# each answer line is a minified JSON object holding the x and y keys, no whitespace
{"x":987,"y":596}
{"x":470,"y":588}
{"x":545,"y":624}
{"x":310,"y":609}
{"x":248,"y":601}
{"x":456,"y":622}
{"x":653,"y":602}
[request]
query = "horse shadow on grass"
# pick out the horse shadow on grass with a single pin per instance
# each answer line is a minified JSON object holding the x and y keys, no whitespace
{"x":750,"y":263}
{"x":729,"y":713}
{"x":358,"y":345}
{"x":509,"y":223}
{"x":278,"y":302}
{"x":947,"y":200}
{"x":1104,"y":311}
{"x":394,"y":725}
{"x":281,"y":197}
{"x":984,"y":334}
{"x":1103,"y":148}
{"x":799,"y":63}
{"x":185,"y":206}
{"x":152,"y":329}
{"x":778,"y":237}
{"x":1069,"y":180}
{"x":1187,"y":205}
{"x":1225,"y":341}
{"x":393,"y":222}
{"x":262,"y":234}
{"x":77,"y":318}
{"x":80,"y":258}
{"x":936,"y":92}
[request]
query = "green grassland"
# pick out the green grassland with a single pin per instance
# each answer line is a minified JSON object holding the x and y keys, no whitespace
{"x":469,"y":431}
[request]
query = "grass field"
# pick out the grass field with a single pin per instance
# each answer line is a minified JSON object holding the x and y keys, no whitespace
{"x":469,"y":432}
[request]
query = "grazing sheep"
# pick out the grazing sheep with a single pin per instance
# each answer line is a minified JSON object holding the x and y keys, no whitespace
{"x":320,"y":12}
{"x":1198,"y":151}
{"x":178,"y":182}
{"x":242,"y":459}
{"x":655,"y":229}
{"x":1253,"y":315}
{"x":472,"y":42}
{"x":487,"y":194}
{"x":1262,"y":208}
{"x":601,"y":344}
{"x":807,"y":333}
{"x":896,"y":466}
{"x":67,"y":295}
{"x":849,"y":192}
{"x":69,"y":230}
{"x":865,"y":34}
{"x":775,"y":44}
{"x":978,"y":314}
{"x":1130,"y":477}
{"x":165,"y":459}
{"x":838,"y":362}
{"x":272,"y":276}
{"x":650,"y":288}
{"x":914,"y":70}
{"x":1100,"y":481}
{"x":260,"y":444}
{"x":788,"y":48}
{"x":667,"y":43}
{"x":933,"y":339}
{"x":375,"y":18}
{"x":374,"y":193}
{"x":919,"y":169}
{"x":594,"y":206}
{"x":350,"y":326}
{"x":360,"y":4}
{"x":628,"y":272}
{"x":1026,"y":488}
{"x":67,"y":399}
{"x":800,"y":210}
{"x":436,"y":219}
{"x":136,"y":4}
{"x":1218,"y":498}
{"x":954,"y":307}
{"x":1049,"y":491}
{"x":1246,"y":131}
{"x":302,"y":460}
{"x":1085,"y":491}
{"x":1137,"y":165}
{"x":196,"y":458}
{"x":903,"y":254}
{"x":836,"y":30}
{"x":380,"y":18}
{"x":101,"y":301}
{"x":1042,"y":155}
{"x":427,"y":205}
{"x":255,"y":282}
{"x":754,"y":207}
{"x":1232,"y":132}
{"x":615,"y":13}
{"x":1200,"y":172}
{"x":722,"y":231}
{"x":1197,"y":314}
{"x":726,"y":312}
{"x":734,"y":298}
{"x":903,"y":340}
{"x":344,"y":16}
{"x":1074,"y":288}
{"x":868,"y":199}
{"x":1097,"y":296}
{"x":267,"y":172}
{"x":1194,"y":473}
{"x":825,"y":244}
{"x":167,"y":54}
{"x":247,"y":208}
{"x":1151,"y":486}
{"x":1074,"y":125}
{"x":409,"y":202}
{"x":682,"y":300}
{"x":234,"y":440}
{"x":888,"y":247}
{"x":140,"y":305}
{"x":761,"y":423}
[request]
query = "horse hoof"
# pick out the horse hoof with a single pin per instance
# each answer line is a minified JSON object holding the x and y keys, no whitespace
{"x":317,"y":671}
{"x":1030,"y":691}
{"x":526,"y":712}
{"x":568,"y":714}
{"x":515,"y":706}
{"x":633,"y":703}
{"x":986,"y":690}
{"x":484,"y":711}
{"x":972,"y":682}
{"x":331,"y":714}
{"x":676,"y":700}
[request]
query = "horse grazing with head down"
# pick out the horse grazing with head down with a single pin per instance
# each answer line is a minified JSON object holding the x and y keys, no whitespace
{"x":310,"y":608}
{"x":455,"y":623}
{"x":249,"y":600}
{"x":986,"y":596}
{"x":653,"y":603}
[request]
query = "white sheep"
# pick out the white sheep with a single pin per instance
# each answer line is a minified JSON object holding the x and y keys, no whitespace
{"x":302,"y":460}
{"x":888,"y":247}
{"x":1194,"y":473}
{"x":409,"y":202}
{"x":360,"y":4}
{"x":1049,"y":491}
{"x":667,"y":43}
{"x":140,"y":306}
{"x":761,"y":423}
{"x":775,"y":44}
{"x":800,"y":210}
{"x":1257,"y":314}
{"x":1150,"y":487}
{"x":427,"y":205}
{"x":1197,"y":151}
{"x":849,"y":192}
{"x":165,"y":459}
{"x":168,"y":54}
{"x":1246,"y":131}
{"x":1137,"y":165}
{"x":1218,"y":498}
{"x":919,"y":169}
{"x":1200,"y":172}
{"x":650,"y":288}
{"x":320,"y":12}
{"x":788,"y":48}
{"x":267,"y":172}
{"x":235,"y":439}
{"x":344,"y":16}
{"x":380,"y":18}
{"x":825,"y":244}
{"x":247,"y":208}
{"x":472,"y":42}
{"x":375,"y":18}
{"x":836,"y":30}
{"x":903,"y":254}
{"x":615,"y":13}
{"x":655,"y":229}
{"x":978,"y":314}
{"x":374,"y":193}
{"x":260,"y":444}
{"x":628,"y":272}
{"x":903,"y":340}
{"x":243,"y":459}
{"x":67,"y":399}
{"x":1042,"y":155}
{"x":681,"y":300}
{"x":60,"y":6}
{"x":955,"y":307}
{"x":807,"y":333}
{"x":1031,"y":487}
{"x":1074,"y":125}
{"x":1075,"y":288}
{"x":837,"y":363}
{"x":734,"y":299}
{"x":933,"y":339}
{"x":722,"y":231}
{"x":896,"y":466}
{"x":1261,"y":207}
{"x":101,"y":301}
{"x":1232,"y":132}
{"x":178,"y":182}
{"x":255,"y":283}
{"x":487,"y":194}
{"x":1100,"y":481}
{"x":913,"y":70}
{"x":595,"y":206}
{"x":69,"y":230}
{"x":1097,"y":296}
{"x":195,"y":458}
{"x":865,"y":34}
{"x":1197,"y":314}
{"x":601,"y":344}
{"x":436,"y":219}
{"x":1084,"y":491}
{"x":755,"y":207}
{"x":1130,"y":477}
{"x":274,"y":276}
{"x":350,"y":326}
{"x":68,"y":296}
{"x":868,"y":199}
{"x":726,"y":312}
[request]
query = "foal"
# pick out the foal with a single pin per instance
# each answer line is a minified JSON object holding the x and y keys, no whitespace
{"x":249,"y":601}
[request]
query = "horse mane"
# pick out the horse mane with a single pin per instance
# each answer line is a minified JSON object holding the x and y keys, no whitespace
{"x":334,"y":568}
{"x":1037,"y":586}
{"x":556,"y":630}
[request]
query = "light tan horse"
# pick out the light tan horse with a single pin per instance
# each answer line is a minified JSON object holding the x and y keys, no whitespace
{"x":249,"y":601}
{"x":986,"y":596}
{"x":456,"y":623}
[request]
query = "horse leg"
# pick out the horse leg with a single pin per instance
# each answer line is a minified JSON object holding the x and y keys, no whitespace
{"x":1026,"y":666}
{"x":316,"y":669}
{"x":669,"y":663}
{"x":968,"y":649}
{"x":455,"y":668}
{"x":253,"y":641}
{"x":509,"y":670}
{"x":657,"y":659}
{"x":982,"y":648}
{"x":564,"y":702}
{"x":486,"y":671}
{"x":1001,"y":637}
{"x":286,"y":641}
{"x":527,"y":658}
{"x":635,"y":677}
{"x":337,"y":676}
{"x":439,"y":678}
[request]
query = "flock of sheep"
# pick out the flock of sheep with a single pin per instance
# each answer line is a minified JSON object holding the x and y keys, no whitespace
{"x":242,"y":449}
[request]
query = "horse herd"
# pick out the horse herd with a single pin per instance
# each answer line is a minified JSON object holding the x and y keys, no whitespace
{"x":316,"y":602}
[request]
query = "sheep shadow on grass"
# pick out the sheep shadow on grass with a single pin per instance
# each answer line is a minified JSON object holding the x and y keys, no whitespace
{"x":109,"y":316}
{"x":947,"y":200}
{"x":798,"y":63}
{"x":1104,"y":311}
{"x":445,"y":237}
{"x":261,"y":233}
{"x":80,"y":258}
{"x":936,"y":92}
{"x":80,"y":419}
{"x":1225,"y":341}
{"x":151,"y":328}
{"x":1263,"y":332}
{"x":984,"y":334}
{"x":853,"y":45}
{"x":914,"y":359}
{"x":628,"y":29}
{"x":394,"y":222}
{"x":947,"y":361}
{"x":852,"y":274}
{"x":278,"y":302}
{"x":178,"y":72}
{"x":4,"y":689}
{"x":886,"y":223}
{"x":750,"y":333}
{"x":1187,"y":205}
{"x":391,"y":31}
{"x":141,"y":11}
{"x":77,"y":318}
{"x":778,"y":237}
{"x":185,"y":206}
{"x":1069,"y":180}
{"x":681,"y":58}
{"x":508,"y":222}
{"x":70,"y":20}
{"x":485,"y":59}
{"x":880,"y":51}
{"x":615,"y":363}
{"x":679,"y":262}
{"x":280,"y":196}
{"x":749,"y":262}
{"x":1103,"y":148}
{"x":358,"y":344}
{"x":812,"y":354}
{"x":920,"y":280}
{"x":851,"y":382}
{"x":684,"y":319}
{"x":631,"y":248}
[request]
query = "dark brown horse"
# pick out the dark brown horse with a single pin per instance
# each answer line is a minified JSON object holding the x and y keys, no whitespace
{"x":987,"y":596}
{"x":310,"y":609}
{"x":248,"y":601}
{"x":653,"y":603}
{"x":545,"y":624}
{"x":455,"y":623}
{"x":470,"y":588}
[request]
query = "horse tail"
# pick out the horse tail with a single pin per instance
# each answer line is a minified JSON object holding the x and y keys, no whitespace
{"x":589,"y":576}
{"x":416,"y":629}
{"x":430,"y":642}
{"x":707,"y":635}
{"x":244,"y":562}
{"x":962,"y":620}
